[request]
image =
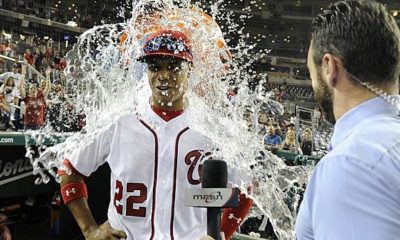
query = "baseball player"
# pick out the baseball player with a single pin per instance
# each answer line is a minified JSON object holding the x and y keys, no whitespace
{"x":154,"y":156}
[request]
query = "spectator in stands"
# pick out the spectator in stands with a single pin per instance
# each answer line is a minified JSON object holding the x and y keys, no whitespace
{"x":49,"y":53}
{"x":14,"y":73}
{"x":271,"y":121}
{"x":35,"y":106}
{"x":8,"y":88}
{"x":28,"y":56}
{"x":317,"y":116}
{"x":45,"y":87}
{"x":306,"y":144}
{"x":272,"y":141}
{"x":10,"y":93}
{"x":9,"y":51}
{"x":57,"y":107}
{"x":291,"y":127}
{"x":30,"y":60}
{"x":262,"y":123}
{"x":63,"y":64}
{"x":282,"y":126}
{"x":262,"y":118}
{"x":3,"y":47}
{"x":38,"y":59}
{"x":278,"y":130}
{"x":293,"y":119}
{"x":290,"y":143}
{"x":59,"y":62}
{"x":281,"y":95}
{"x":248,"y":117}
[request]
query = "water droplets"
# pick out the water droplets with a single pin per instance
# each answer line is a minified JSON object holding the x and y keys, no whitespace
{"x":108,"y":82}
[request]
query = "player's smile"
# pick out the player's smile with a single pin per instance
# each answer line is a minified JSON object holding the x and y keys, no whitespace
{"x":163,"y":88}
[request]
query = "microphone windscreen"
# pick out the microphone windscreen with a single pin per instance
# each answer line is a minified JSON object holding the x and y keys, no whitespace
{"x":214,"y":174}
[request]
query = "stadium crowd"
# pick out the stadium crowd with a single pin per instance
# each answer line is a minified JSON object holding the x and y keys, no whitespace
{"x":30,"y":101}
{"x":55,"y":14}
{"x":33,"y":93}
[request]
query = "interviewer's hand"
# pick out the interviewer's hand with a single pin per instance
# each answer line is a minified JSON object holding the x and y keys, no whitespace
{"x":104,"y":232}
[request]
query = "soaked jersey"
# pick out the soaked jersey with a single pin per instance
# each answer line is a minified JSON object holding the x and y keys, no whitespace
{"x":152,"y":163}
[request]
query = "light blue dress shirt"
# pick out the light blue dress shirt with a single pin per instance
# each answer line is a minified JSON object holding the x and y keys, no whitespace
{"x":354,"y":191}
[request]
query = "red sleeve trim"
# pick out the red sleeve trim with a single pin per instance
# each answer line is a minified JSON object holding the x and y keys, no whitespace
{"x":67,"y":164}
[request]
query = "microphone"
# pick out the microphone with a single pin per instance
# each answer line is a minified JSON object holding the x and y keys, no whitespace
{"x":214,"y":175}
{"x":213,"y":195}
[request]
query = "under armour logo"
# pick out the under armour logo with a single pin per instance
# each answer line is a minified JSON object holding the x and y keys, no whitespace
{"x":73,"y":191}
{"x":238,"y":220}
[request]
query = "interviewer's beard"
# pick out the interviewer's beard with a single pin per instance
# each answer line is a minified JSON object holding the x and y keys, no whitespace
{"x":324,"y":97}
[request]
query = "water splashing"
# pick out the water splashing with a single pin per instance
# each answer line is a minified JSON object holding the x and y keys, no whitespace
{"x":108,"y":83}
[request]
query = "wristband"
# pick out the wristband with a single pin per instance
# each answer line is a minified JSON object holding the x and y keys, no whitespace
{"x":72,"y":191}
{"x":233,"y":217}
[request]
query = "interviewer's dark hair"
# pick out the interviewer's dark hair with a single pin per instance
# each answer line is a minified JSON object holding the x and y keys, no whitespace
{"x":363,"y":35}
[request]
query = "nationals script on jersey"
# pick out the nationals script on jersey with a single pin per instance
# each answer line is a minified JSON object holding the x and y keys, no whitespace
{"x":152,"y":163}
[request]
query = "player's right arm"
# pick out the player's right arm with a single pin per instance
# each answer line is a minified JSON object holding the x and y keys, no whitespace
{"x":81,"y":163}
{"x":79,"y":207}
{"x":83,"y":215}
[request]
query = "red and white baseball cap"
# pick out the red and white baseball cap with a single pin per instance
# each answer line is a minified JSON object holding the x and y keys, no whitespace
{"x":167,"y":43}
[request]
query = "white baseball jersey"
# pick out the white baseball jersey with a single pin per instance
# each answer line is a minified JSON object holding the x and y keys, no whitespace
{"x":152,"y":163}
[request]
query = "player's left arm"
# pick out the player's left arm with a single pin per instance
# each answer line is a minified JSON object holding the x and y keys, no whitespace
{"x":232,"y":218}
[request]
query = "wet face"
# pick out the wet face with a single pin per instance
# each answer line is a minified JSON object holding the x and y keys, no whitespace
{"x":168,"y":78}
{"x":323,"y":94}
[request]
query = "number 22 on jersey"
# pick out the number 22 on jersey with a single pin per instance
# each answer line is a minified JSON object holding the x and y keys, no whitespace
{"x":130,"y":210}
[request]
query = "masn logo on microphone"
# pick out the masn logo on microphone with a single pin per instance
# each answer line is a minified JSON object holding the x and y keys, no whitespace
{"x":208,"y":198}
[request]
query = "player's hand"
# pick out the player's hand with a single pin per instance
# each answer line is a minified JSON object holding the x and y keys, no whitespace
{"x":210,"y":238}
{"x":104,"y":232}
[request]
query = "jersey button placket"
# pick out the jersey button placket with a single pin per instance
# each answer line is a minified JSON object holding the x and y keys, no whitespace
{"x":162,"y":181}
